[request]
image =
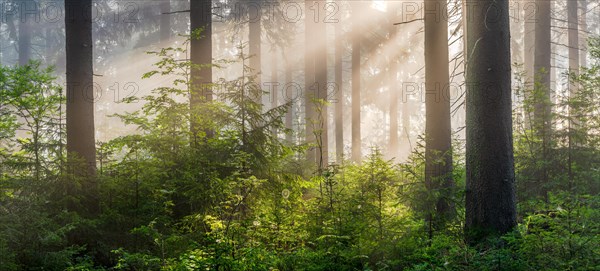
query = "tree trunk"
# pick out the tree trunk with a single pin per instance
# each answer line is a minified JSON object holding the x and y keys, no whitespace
{"x":356,"y":71}
{"x":320,"y":33}
{"x":339,"y":98}
{"x":309,"y":80}
{"x":542,"y":67}
{"x":394,"y":95}
{"x":24,"y":39}
{"x":573,"y":34}
{"x":254,"y":38}
{"x":529,"y":42}
{"x":80,"y":97}
{"x":438,"y":156}
{"x":200,"y":54}
{"x":289,"y":116}
{"x":490,"y":180}
{"x":583,"y":36}
{"x":165,"y":20}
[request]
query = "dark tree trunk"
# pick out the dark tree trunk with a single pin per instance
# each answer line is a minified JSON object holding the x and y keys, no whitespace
{"x":339,"y":97}
{"x":490,"y":180}
{"x":356,"y":71}
{"x":438,"y":156}
{"x":165,"y":20}
{"x":200,"y":54}
{"x":542,"y":66}
{"x":80,"y":97}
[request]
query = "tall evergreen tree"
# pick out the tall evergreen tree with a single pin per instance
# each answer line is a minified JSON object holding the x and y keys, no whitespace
{"x":339,"y":98}
{"x":490,"y":178}
{"x":201,"y":59}
{"x":438,"y":156}
{"x":80,"y":96}
{"x":542,"y":88}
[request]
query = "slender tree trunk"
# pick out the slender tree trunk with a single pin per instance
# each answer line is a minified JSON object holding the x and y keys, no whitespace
{"x":542,"y":66}
{"x":529,"y":42}
{"x":573,"y":34}
{"x":320,"y":59}
{"x":339,"y":98}
{"x":24,"y":39}
{"x":200,"y":54}
{"x":356,"y":86}
{"x":490,"y":179}
{"x":165,"y":20}
{"x":80,"y":97}
{"x":394,"y":95}
{"x":583,"y":31}
{"x":274,"y":84}
{"x":254,"y":38}
{"x":274,"y":78}
{"x":438,"y":156}
{"x":289,"y":116}
{"x":309,"y":79}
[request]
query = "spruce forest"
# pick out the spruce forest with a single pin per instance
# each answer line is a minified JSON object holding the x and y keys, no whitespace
{"x":288,"y":135}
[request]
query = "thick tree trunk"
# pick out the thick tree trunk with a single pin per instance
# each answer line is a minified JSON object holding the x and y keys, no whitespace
{"x":80,"y":97}
{"x":490,"y":180}
{"x":339,"y":97}
{"x":438,"y":156}
{"x":200,"y":54}
{"x":542,"y":66}
{"x":356,"y":71}
{"x":165,"y":20}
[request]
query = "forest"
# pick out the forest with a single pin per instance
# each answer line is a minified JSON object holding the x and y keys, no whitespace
{"x":300,"y":135}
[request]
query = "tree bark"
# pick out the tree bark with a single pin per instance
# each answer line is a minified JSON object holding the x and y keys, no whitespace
{"x":529,"y":42}
{"x":542,"y":66}
{"x":583,"y":36}
{"x":289,"y":116}
{"x":309,"y":80}
{"x":573,"y":34}
{"x":490,"y":180}
{"x":80,"y":97}
{"x":438,"y":142}
{"x":339,"y":97}
{"x":200,"y":54}
{"x":320,"y":59}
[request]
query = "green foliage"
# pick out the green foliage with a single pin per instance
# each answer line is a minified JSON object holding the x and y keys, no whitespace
{"x":233,"y":195}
